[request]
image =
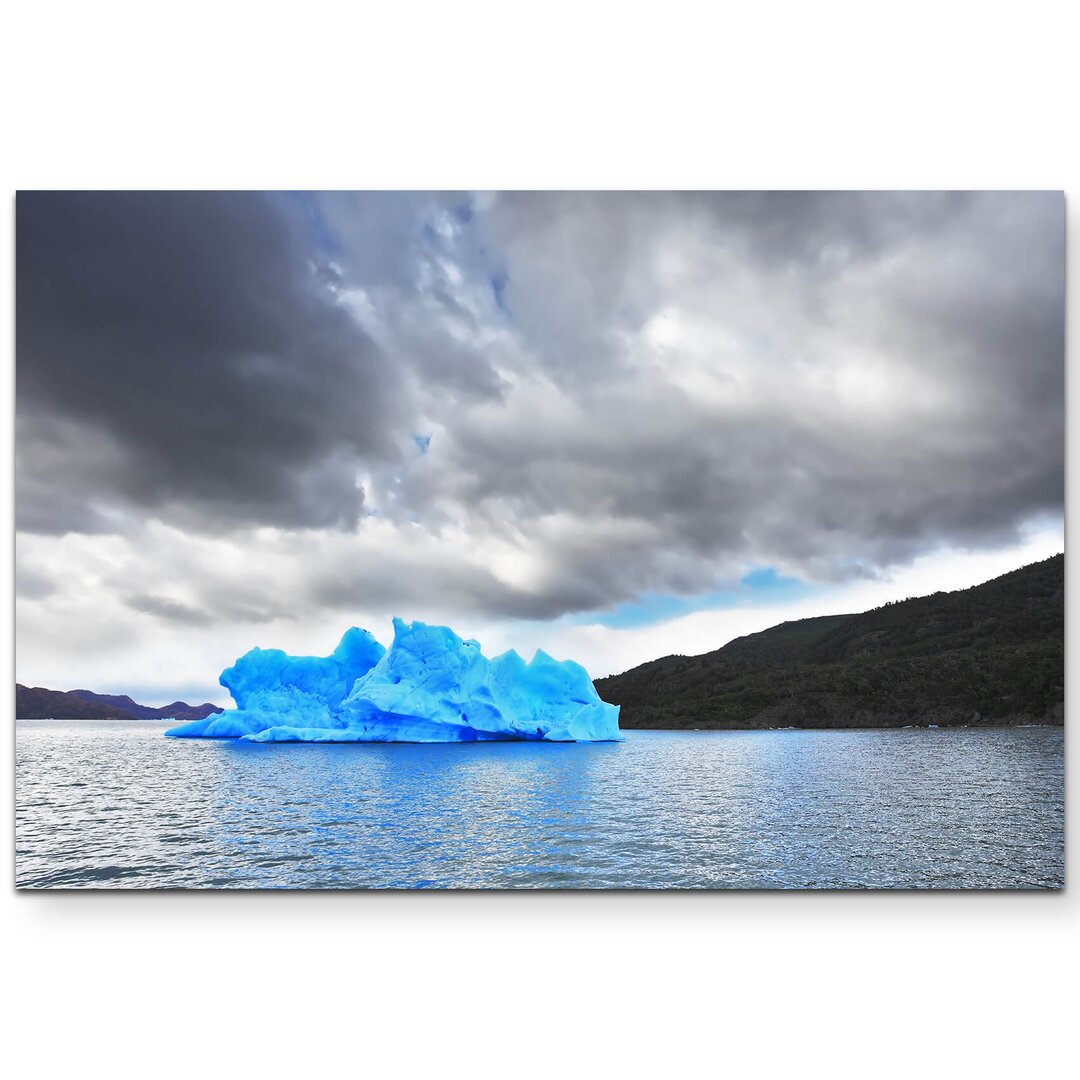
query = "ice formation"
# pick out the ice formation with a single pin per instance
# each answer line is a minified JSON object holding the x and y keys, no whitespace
{"x":430,"y":686}
{"x":269,"y":685}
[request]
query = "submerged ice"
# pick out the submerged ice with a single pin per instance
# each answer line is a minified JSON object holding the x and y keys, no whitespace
{"x":429,"y":686}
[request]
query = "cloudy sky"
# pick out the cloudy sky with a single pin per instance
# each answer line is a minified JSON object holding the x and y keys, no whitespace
{"x":614,"y":426}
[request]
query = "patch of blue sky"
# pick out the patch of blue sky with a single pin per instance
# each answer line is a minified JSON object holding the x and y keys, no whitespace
{"x":318,"y":229}
{"x":498,"y":290}
{"x":759,"y":588}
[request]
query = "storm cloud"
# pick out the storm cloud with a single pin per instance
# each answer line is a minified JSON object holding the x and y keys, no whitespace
{"x":247,"y":407}
{"x":179,"y":354}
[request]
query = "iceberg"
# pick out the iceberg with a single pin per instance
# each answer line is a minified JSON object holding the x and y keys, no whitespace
{"x":268,"y":684}
{"x":429,"y":686}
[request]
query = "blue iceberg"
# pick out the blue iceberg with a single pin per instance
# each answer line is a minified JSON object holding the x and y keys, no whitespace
{"x":268,"y":684}
{"x":429,"y":686}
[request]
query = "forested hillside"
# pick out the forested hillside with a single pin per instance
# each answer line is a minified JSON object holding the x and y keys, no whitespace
{"x":992,"y":654}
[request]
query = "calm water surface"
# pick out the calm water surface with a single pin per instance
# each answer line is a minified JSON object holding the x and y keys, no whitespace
{"x":113,"y":804}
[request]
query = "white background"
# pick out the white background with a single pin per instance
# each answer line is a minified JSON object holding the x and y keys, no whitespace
{"x":567,"y":95}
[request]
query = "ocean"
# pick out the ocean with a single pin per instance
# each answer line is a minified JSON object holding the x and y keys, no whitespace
{"x":113,"y":804}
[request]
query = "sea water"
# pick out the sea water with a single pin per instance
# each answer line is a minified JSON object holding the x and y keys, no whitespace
{"x":112,"y":804}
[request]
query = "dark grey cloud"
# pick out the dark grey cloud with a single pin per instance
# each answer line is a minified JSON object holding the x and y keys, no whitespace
{"x":627,"y":393}
{"x":179,"y":353}
{"x":887,"y":376}
{"x":220,"y":601}
{"x":163,"y":607}
{"x":827,"y":230}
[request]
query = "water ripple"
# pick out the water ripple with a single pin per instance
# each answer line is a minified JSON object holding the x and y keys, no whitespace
{"x":112,"y":804}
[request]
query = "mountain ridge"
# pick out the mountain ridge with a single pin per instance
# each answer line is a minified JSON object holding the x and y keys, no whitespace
{"x":991,"y":654}
{"x":40,"y":703}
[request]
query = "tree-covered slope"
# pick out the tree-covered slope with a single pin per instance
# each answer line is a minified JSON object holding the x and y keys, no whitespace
{"x":988,"y":655}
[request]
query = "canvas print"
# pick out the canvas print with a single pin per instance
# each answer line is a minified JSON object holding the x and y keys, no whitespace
{"x":539,"y":540}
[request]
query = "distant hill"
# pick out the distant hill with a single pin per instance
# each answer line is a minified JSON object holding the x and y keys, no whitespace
{"x":993,"y":654}
{"x":36,"y":702}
